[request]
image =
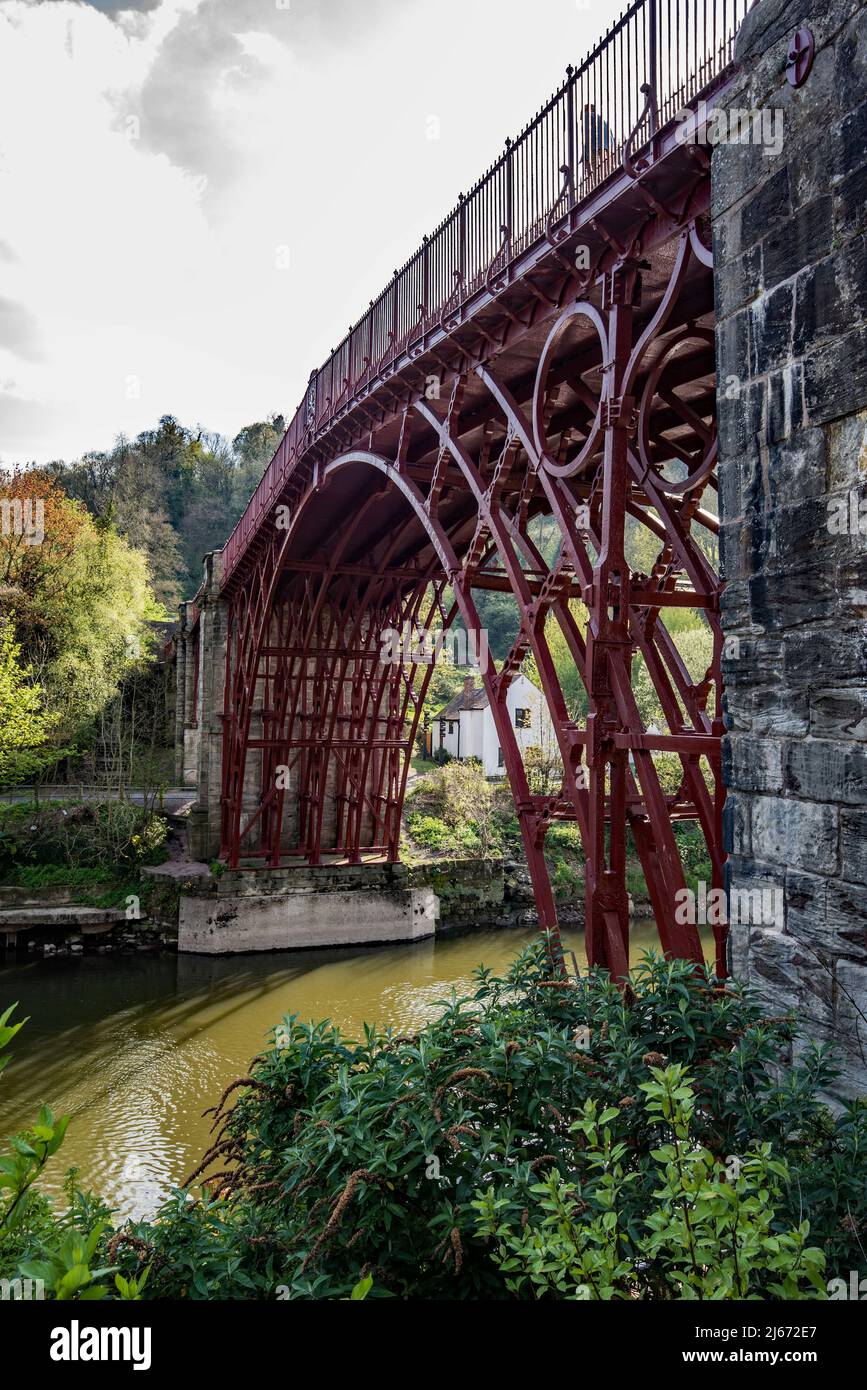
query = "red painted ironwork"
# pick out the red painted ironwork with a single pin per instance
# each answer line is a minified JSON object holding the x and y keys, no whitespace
{"x":802,"y":51}
{"x":546,"y":358}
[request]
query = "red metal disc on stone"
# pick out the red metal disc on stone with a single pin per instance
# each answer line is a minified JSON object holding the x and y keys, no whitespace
{"x":802,"y":50}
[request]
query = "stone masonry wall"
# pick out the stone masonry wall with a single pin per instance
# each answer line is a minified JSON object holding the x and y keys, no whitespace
{"x":205,"y":817}
{"x":791,"y":288}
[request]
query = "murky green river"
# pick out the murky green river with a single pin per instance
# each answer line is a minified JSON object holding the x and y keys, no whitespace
{"x":134,"y":1048}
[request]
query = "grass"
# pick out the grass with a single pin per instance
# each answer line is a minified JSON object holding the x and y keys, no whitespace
{"x":54,"y":876}
{"x":421,"y":764}
{"x":113,"y":895}
{"x":12,"y":812}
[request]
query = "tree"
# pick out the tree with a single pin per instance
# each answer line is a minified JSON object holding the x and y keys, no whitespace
{"x":173,"y":493}
{"x":500,"y":618}
{"x":79,"y":602}
{"x":469,"y":799}
{"x":24,"y":724}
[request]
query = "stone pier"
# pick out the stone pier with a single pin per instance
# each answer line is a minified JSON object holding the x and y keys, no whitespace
{"x":791,"y":298}
{"x":186,"y":702}
{"x":284,"y":909}
{"x":203,"y":673}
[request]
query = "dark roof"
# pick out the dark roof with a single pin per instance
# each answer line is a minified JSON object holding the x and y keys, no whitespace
{"x":476,"y":698}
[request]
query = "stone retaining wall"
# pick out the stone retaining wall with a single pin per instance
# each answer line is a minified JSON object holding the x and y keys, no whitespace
{"x":791,"y":290}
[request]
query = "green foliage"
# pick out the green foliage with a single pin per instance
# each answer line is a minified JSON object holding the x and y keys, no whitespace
{"x":695,"y":645}
{"x":469,"y":802}
{"x":65,"y":1268}
{"x":37,"y":1242}
{"x":24,"y":724}
{"x":78,"y":603}
{"x":342,"y":1159}
{"x":567,"y":671}
{"x":173,"y":493}
{"x":432,"y":833}
{"x":537,"y":1138}
{"x":692,"y":848}
{"x":80,"y":835}
{"x":709,"y":1232}
{"x":499,"y":617}
{"x":453,"y":807}
{"x":8,"y":1031}
{"x":125,"y":533}
{"x":53,"y":876}
{"x":131,"y":1289}
{"x":97,"y":625}
{"x":30,"y":1151}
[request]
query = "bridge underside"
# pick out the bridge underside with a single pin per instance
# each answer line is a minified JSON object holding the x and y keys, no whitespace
{"x":577,"y":402}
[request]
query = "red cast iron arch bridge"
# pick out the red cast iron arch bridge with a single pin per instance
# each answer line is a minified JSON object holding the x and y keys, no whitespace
{"x":547,"y":353}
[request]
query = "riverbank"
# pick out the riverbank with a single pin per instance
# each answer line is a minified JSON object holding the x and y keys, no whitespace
{"x":471,"y":894}
{"x":136,"y":1046}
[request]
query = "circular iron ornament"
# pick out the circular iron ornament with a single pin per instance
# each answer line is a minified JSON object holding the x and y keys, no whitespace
{"x":703,"y":466}
{"x":802,"y":51}
{"x":587,"y":311}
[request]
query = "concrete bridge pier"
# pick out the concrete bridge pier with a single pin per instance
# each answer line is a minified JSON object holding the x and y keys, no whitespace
{"x":790,"y":253}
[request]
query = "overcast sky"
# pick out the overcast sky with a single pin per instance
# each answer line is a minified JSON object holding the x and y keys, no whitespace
{"x":197,"y":199}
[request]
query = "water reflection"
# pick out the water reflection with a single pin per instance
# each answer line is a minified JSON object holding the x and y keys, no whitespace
{"x":134,"y":1048}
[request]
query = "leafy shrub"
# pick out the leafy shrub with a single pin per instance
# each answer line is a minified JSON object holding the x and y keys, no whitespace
{"x":564,"y":855}
{"x":430,"y":831}
{"x":539,"y":1137}
{"x":433,"y":833}
{"x":36,"y":1242}
{"x":81,"y":835}
{"x":669,"y":770}
{"x":692,"y":848}
{"x":713,"y":1232}
{"x":24,"y":723}
{"x":343,"y":1160}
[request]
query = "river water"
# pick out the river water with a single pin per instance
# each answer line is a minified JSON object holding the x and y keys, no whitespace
{"x":134,"y":1048}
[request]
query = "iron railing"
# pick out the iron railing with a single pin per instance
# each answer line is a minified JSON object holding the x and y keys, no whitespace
{"x":657,"y":58}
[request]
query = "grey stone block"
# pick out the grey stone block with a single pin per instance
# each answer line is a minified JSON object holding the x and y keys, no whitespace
{"x":801,"y":834}
{"x":767,"y":207}
{"x":835,"y":377}
{"x":853,"y":845}
{"x":827,"y":771}
{"x":798,"y":242}
{"x":839,"y":713}
{"x":752,"y":764}
{"x":846,"y":918}
{"x":819,"y":657}
{"x":831,"y":296}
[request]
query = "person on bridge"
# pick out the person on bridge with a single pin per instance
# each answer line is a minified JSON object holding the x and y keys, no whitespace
{"x":597,"y":139}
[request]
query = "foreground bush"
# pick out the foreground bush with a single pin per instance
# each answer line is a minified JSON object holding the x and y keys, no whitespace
{"x":540,"y":1138}
{"x":711,"y":1232}
{"x":79,"y":835}
{"x":342,"y":1160}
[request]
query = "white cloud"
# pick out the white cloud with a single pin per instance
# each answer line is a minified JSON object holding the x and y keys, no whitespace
{"x":154,"y":163}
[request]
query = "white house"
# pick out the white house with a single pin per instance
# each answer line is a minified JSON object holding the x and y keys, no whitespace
{"x":465,"y":727}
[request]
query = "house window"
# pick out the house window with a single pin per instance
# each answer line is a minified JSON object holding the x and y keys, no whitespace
{"x":451,"y":726}
{"x":522,"y":719}
{"x":501,"y":761}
